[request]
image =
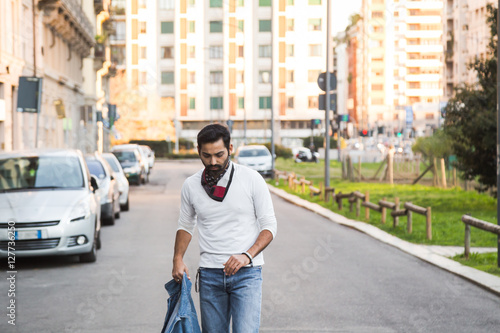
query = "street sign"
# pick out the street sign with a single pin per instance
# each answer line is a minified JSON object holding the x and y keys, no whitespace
{"x":322,"y":81}
{"x":111,"y":114}
{"x":409,"y":116}
{"x":315,"y":122}
{"x":333,"y":102}
{"x":342,"y":117}
{"x":29,"y":96}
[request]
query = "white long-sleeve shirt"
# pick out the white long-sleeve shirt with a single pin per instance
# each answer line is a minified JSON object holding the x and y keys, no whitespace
{"x":233,"y":225}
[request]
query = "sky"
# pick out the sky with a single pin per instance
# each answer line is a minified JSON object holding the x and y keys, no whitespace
{"x":341,"y":10}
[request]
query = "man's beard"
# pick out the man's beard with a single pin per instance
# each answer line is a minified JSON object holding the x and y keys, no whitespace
{"x":217,"y":169}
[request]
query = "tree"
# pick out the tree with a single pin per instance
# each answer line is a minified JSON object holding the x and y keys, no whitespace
{"x":470,"y":118}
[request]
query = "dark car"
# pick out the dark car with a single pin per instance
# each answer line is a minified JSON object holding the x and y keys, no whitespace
{"x":130,"y":160}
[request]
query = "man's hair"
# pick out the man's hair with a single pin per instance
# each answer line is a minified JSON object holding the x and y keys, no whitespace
{"x":212,"y":133}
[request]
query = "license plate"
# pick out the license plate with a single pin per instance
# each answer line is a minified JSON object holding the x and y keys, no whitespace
{"x":28,"y":234}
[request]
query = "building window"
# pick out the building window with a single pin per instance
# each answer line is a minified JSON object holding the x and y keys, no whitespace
{"x":315,"y":50}
{"x":215,"y":3}
{"x":290,"y":24}
{"x":241,"y":25}
{"x":167,"y":52}
{"x":215,"y":52}
{"x":265,"y":51}
{"x":143,"y":27}
{"x":240,"y":77}
{"x":241,"y":3}
{"x":167,"y":27}
{"x":192,"y":103}
{"x":167,"y":77}
{"x":216,"y":103}
{"x":265,"y":102}
{"x":264,"y":76}
{"x":240,"y":51}
{"x":192,"y":77}
{"x":241,"y":102}
{"x":290,"y":50}
{"x":290,"y":102}
{"x":264,"y":25}
{"x":377,"y":14}
{"x":315,"y":24}
{"x":290,"y":76}
{"x":314,"y":2}
{"x":312,"y":102}
{"x":265,"y":3}
{"x":377,"y":87}
{"x":216,"y":77}
{"x":144,"y":77}
{"x":377,"y":101}
{"x":143,"y":52}
{"x":429,"y":116}
{"x":215,"y":26}
{"x":290,"y":3}
{"x":167,"y":4}
{"x":192,"y":26}
{"x":312,"y":75}
{"x":192,"y":51}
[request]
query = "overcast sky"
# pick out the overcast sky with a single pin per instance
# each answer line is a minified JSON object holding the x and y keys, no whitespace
{"x":341,"y":10}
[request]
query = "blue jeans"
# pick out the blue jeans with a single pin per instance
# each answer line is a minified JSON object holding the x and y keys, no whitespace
{"x":224,"y":297}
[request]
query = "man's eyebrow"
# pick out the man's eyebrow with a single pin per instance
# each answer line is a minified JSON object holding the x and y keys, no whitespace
{"x":218,"y":153}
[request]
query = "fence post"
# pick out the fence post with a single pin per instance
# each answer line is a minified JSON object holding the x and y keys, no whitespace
{"x":409,"y":223}
{"x":367,"y":210}
{"x":467,"y":241}
{"x":384,"y":212}
{"x":303,"y":184}
{"x":358,"y":206}
{"x":428,"y":223}
{"x":396,"y":218}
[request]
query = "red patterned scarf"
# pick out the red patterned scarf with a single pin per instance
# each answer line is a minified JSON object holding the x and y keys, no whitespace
{"x":217,"y":187}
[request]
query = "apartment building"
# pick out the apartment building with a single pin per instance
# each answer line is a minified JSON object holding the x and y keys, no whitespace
{"x":467,"y":37}
{"x":53,"y":41}
{"x":213,"y":61}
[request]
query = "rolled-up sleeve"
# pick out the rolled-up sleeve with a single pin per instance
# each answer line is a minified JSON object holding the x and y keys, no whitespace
{"x":187,"y":216}
{"x":264,"y":208}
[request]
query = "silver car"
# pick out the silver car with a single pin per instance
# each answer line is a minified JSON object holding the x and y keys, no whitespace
{"x":108,"y":188}
{"x":256,"y":157}
{"x":120,"y":177}
{"x":47,"y":205}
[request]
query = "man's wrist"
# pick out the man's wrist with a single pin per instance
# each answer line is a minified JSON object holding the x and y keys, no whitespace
{"x":249,"y":256}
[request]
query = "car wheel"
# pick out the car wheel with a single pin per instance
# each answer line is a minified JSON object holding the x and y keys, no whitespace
{"x":125,"y":207}
{"x":117,"y":215}
{"x":111,"y":220}
{"x":92,"y":255}
{"x":98,"y":241}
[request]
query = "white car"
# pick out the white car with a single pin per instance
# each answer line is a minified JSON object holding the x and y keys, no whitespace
{"x":47,"y":205}
{"x":256,"y":157}
{"x":143,"y":160}
{"x":150,"y":154}
{"x":123,"y":185}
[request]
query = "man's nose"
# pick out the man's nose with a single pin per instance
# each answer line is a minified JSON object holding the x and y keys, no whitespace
{"x":213,"y":160}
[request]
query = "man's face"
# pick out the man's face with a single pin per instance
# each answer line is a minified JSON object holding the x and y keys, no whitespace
{"x":214,"y":155}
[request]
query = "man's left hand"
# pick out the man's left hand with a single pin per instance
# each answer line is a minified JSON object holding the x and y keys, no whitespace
{"x":234,"y":263}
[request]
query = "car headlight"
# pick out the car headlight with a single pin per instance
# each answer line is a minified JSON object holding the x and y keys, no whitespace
{"x":80,"y":212}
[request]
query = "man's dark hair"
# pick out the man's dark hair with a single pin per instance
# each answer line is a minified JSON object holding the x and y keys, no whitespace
{"x":212,"y":133}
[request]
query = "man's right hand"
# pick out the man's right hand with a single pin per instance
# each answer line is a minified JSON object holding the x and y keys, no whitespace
{"x":178,"y":270}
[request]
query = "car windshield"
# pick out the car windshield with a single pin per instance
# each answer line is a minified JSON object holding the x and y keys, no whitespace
{"x":40,"y":173}
{"x":96,"y":168}
{"x":112,"y":162}
{"x":253,"y":153}
{"x":125,"y":156}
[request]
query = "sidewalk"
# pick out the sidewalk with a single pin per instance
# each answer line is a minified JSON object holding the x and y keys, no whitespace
{"x":436,"y":255}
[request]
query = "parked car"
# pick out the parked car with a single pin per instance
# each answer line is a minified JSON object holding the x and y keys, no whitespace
{"x":150,"y":154}
{"x":134,"y":165}
{"x":48,"y":204}
{"x":120,"y":177}
{"x":256,"y":157}
{"x":304,"y":154}
{"x":108,"y":188}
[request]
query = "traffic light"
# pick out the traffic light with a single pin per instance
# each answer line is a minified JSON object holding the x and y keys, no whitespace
{"x":363,"y":132}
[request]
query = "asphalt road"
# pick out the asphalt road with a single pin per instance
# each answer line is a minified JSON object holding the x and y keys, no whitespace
{"x":318,"y":277}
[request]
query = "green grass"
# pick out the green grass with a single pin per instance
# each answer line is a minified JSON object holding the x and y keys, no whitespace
{"x":486,"y":262}
{"x":447,"y":205}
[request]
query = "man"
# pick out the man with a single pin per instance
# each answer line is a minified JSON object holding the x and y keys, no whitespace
{"x":232,"y":207}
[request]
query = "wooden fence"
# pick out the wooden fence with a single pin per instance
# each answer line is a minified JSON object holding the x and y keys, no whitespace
{"x":483,"y":225}
{"x":359,"y":199}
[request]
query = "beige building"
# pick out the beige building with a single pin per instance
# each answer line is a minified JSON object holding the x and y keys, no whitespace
{"x":467,"y":37}
{"x":50,"y":41}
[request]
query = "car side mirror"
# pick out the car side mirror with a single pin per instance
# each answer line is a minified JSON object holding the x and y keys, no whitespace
{"x":93,"y":183}
{"x":112,"y":177}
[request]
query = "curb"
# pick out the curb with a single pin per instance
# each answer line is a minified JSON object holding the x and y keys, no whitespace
{"x":487,"y":281}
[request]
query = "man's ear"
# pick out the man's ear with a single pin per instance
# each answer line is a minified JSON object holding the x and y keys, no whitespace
{"x":230,"y":148}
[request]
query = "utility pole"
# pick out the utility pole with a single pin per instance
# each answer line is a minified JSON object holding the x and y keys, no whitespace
{"x":272,"y":91}
{"x":327,"y":97}
{"x":34,"y":67}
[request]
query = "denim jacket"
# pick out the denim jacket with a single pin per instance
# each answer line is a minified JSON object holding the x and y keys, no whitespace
{"x":181,"y":315}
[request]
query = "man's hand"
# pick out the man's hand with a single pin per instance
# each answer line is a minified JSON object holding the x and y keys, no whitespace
{"x":234,"y":263}
{"x":178,"y":270}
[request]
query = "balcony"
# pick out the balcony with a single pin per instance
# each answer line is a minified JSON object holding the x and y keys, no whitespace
{"x":67,"y":19}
